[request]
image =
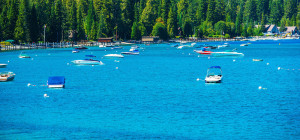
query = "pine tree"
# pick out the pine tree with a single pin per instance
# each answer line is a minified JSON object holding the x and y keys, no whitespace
{"x":290,"y":8}
{"x":12,"y":17}
{"x":187,"y":27}
{"x":165,"y":9}
{"x":21,"y":30}
{"x":172,"y":22}
{"x":149,"y":15}
{"x":201,"y":12}
{"x":102,"y":29}
{"x":79,"y":16}
{"x":239,"y":21}
{"x":33,"y":25}
{"x":135,"y":31}
{"x":276,"y":12}
{"x":3,"y":21}
{"x":93,"y":33}
{"x":220,"y":10}
{"x":89,"y":19}
{"x":210,"y":14}
{"x":250,"y":11}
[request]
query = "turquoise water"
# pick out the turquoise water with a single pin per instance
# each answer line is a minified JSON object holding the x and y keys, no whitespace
{"x":154,"y":95}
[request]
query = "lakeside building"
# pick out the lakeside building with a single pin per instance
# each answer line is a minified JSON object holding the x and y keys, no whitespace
{"x":150,"y":39}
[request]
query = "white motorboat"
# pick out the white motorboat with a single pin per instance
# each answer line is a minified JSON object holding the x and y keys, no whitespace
{"x":23,"y":55}
{"x":7,"y":76}
{"x":114,"y":55}
{"x":214,"y":75}
{"x":133,"y":51}
{"x":244,"y":45}
{"x":3,"y":65}
{"x":183,"y":46}
{"x":87,"y":62}
{"x":75,"y":51}
{"x":223,"y":46}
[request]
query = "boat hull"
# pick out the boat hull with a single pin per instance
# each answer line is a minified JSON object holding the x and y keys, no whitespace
{"x":56,"y":86}
{"x":113,"y":56}
{"x":130,"y":53}
{"x":3,"y":65}
{"x":213,"y":79}
{"x":4,"y":79}
{"x":85,"y":62}
{"x":24,"y":56}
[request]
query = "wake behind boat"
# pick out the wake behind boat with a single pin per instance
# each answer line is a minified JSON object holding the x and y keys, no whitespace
{"x":227,"y":53}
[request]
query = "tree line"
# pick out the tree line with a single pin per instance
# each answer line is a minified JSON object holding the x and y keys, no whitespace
{"x":26,"y":20}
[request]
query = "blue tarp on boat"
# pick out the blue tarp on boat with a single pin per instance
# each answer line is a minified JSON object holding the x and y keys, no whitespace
{"x":217,"y":67}
{"x":56,"y":80}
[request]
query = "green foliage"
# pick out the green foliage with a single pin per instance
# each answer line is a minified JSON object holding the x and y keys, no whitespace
{"x":220,"y":27}
{"x":187,"y":27}
{"x":227,"y":36}
{"x":159,"y":29}
{"x":33,"y":25}
{"x":172,"y":22}
{"x":102,"y":30}
{"x":211,"y":15}
{"x":127,"y":19}
{"x":21,"y":30}
{"x":135,"y":32}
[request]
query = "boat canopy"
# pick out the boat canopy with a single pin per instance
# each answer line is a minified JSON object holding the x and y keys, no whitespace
{"x":56,"y":80}
{"x":216,"y":67}
{"x":90,"y":56}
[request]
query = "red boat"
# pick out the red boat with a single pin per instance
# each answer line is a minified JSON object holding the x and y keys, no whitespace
{"x":204,"y":52}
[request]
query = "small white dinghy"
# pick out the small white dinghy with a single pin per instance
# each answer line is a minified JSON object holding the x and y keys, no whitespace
{"x":214,"y":75}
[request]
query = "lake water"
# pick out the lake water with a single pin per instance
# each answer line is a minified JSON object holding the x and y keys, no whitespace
{"x":154,"y":95}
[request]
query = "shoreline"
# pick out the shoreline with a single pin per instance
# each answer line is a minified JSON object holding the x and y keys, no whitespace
{"x":95,"y":44}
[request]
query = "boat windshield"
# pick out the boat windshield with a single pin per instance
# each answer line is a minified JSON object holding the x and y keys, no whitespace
{"x":214,"y":70}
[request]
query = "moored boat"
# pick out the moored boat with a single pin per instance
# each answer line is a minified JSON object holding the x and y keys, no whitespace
{"x":214,"y":75}
{"x":3,"y":65}
{"x":75,"y":51}
{"x":23,"y":55}
{"x":81,"y":48}
{"x":7,"y":76}
{"x":133,"y":51}
{"x":56,"y":82}
{"x":257,"y":60}
{"x":114,"y":55}
{"x":87,"y":62}
{"x":244,"y":45}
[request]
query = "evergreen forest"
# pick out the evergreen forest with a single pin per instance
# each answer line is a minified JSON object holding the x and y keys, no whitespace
{"x":75,"y":20}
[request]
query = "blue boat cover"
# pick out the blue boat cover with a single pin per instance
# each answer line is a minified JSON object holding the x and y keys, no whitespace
{"x":90,"y":56}
{"x":217,"y":67}
{"x":203,"y":49}
{"x":56,"y":80}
